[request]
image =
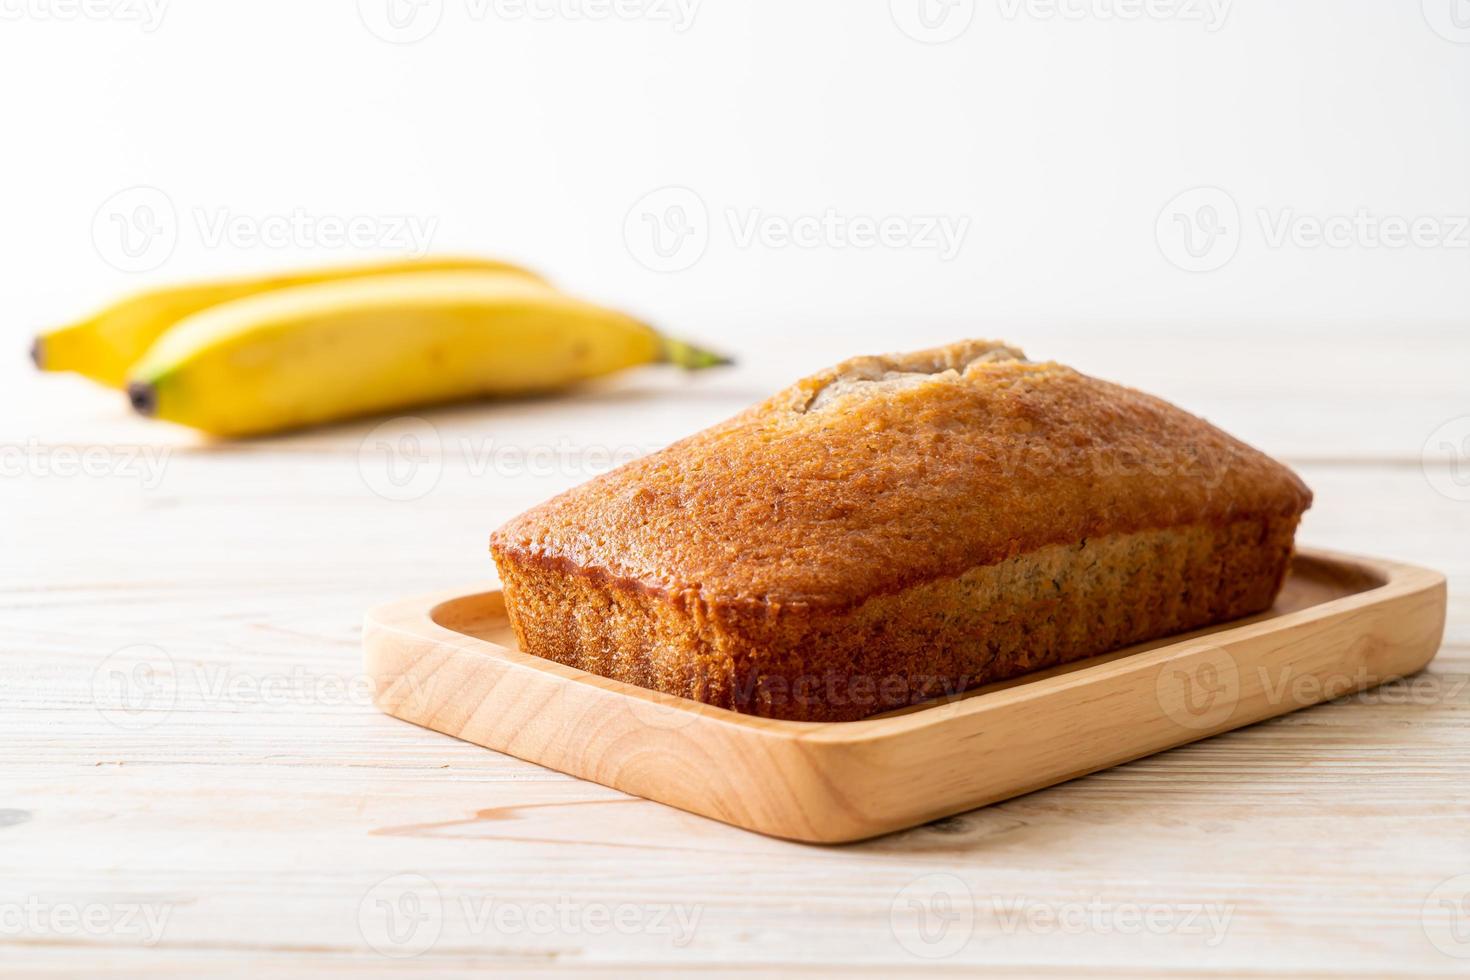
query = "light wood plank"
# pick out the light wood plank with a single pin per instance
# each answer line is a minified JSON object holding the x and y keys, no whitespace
{"x":270,"y":796}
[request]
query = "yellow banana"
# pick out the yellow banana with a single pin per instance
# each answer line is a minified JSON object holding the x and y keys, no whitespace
{"x":316,"y":353}
{"x":104,"y":346}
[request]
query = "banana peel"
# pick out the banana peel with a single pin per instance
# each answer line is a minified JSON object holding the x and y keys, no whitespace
{"x":320,"y":352}
{"x":106,"y":345}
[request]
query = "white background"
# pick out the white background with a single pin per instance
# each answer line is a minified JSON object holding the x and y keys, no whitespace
{"x":1057,"y":135}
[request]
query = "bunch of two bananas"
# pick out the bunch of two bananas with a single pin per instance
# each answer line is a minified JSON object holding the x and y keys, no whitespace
{"x":250,"y":356}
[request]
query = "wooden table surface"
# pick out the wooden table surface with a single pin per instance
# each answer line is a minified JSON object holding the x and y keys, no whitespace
{"x":193,"y":778}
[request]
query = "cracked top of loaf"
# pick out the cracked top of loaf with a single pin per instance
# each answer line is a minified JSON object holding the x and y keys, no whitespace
{"x":884,"y":472}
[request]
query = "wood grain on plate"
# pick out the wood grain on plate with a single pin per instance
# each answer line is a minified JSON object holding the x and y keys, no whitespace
{"x":1341,"y":625}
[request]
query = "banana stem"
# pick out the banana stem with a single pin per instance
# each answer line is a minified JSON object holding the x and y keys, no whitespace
{"x":689,"y":357}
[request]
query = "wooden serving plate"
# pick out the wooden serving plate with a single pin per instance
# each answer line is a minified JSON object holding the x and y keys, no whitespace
{"x":1342,"y":624}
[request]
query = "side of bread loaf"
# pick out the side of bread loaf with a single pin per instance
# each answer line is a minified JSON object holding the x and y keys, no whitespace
{"x":900,"y":527}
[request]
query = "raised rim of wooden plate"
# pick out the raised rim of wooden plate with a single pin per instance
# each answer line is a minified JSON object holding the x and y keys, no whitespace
{"x":1361,"y":622}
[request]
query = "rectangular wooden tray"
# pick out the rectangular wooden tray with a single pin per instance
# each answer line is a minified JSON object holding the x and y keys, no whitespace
{"x":1342,"y":624}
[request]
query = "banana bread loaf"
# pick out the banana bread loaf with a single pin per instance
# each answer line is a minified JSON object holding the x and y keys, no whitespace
{"x":901,"y":527}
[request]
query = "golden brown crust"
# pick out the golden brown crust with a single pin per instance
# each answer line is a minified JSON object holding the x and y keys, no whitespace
{"x":893,"y":483}
{"x":905,"y":525}
{"x":1049,"y":607}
